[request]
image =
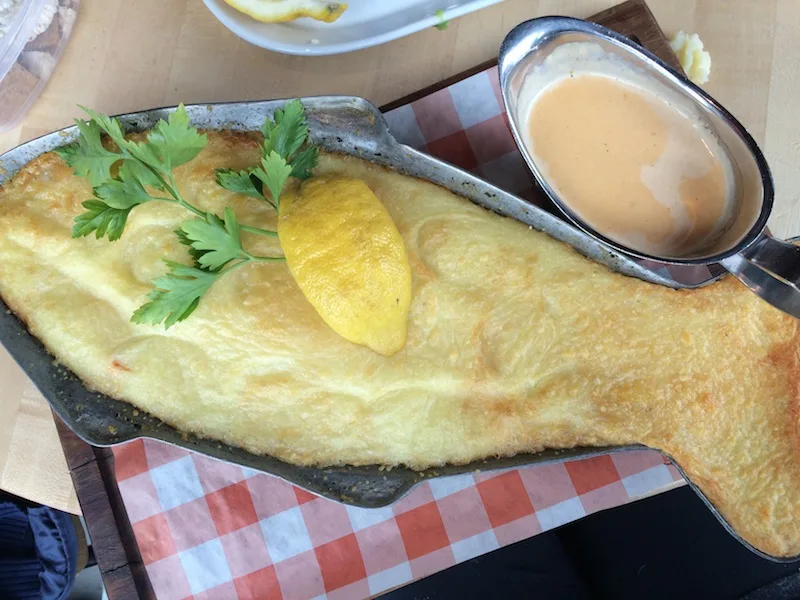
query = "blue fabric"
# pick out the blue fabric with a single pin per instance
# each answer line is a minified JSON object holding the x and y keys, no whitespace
{"x":19,"y":578}
{"x":57,"y":549}
{"x":16,"y":538}
{"x":38,"y":553}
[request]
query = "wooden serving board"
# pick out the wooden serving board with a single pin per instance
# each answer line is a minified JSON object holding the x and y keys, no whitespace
{"x":92,"y":468}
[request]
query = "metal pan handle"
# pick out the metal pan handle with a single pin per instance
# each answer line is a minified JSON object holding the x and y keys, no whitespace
{"x":771,"y":269}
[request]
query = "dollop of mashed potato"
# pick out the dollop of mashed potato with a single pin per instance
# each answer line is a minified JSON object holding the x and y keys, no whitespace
{"x":694,"y":59}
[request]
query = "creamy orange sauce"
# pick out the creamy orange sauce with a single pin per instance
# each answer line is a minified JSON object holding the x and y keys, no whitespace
{"x":631,"y":166}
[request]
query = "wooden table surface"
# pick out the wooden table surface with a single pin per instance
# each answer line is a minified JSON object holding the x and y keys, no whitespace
{"x":126,"y":56}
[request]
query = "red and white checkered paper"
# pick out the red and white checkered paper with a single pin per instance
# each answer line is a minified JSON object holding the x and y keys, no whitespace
{"x":208,"y":529}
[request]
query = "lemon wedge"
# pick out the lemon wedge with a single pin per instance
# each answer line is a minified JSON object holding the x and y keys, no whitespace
{"x":279,"y":11}
{"x":348,"y":258}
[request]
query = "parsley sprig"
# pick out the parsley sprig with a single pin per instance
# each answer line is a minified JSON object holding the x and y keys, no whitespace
{"x":282,"y":156}
{"x":136,"y":172}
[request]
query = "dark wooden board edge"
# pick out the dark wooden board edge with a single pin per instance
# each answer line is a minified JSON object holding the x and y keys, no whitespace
{"x":92,"y":469}
{"x":114,"y":544}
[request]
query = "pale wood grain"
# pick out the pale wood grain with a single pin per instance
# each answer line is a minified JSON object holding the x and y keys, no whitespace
{"x":126,"y":56}
{"x":32,"y":463}
{"x":782,"y":126}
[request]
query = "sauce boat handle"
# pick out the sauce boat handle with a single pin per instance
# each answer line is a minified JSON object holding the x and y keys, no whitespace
{"x":771,"y":269}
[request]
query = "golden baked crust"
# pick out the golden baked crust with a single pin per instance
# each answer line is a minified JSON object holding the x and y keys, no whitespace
{"x":515,"y":343}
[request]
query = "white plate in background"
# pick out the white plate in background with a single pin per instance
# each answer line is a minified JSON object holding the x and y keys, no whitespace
{"x":365,"y":23}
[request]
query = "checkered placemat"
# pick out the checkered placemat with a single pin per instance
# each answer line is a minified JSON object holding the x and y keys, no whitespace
{"x":208,"y":529}
{"x":465,"y":124}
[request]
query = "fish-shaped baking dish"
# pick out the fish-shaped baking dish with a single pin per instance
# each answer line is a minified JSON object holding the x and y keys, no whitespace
{"x":348,"y":125}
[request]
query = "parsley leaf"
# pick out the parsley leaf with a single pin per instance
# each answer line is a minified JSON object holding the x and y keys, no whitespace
{"x":274,"y":172}
{"x":304,"y":162}
{"x":176,"y":295}
{"x":288,"y":132}
{"x":193,"y":252}
{"x":175,"y":142}
{"x":241,"y":182}
{"x":145,"y":175}
{"x":443,"y":23}
{"x":101,"y":219}
{"x":124,"y":192}
{"x":169,"y":144}
{"x":282,"y":157}
{"x":147,"y":157}
{"x":107,"y":213}
{"x":219,"y":241}
{"x":110,"y":125}
{"x":88,"y":157}
{"x":270,"y":131}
